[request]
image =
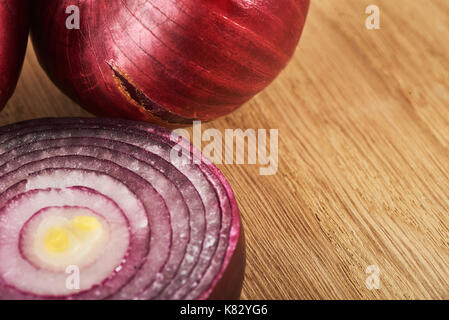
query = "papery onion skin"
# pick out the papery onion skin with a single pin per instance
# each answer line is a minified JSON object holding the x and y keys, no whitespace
{"x":166,"y":61}
{"x":57,"y":153}
{"x":14,"y":16}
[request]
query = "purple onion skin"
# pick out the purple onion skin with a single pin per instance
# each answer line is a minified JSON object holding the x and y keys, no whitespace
{"x":14,"y":16}
{"x":166,"y":61}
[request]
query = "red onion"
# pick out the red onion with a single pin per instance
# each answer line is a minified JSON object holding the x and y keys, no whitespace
{"x":13,"y":40}
{"x":168,"y":61}
{"x":108,"y":197}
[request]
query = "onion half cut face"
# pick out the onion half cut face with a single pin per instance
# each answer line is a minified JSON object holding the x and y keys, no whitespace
{"x":103,"y":196}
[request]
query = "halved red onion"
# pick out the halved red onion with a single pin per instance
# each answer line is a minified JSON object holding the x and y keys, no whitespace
{"x":13,"y":40}
{"x":180,"y":223}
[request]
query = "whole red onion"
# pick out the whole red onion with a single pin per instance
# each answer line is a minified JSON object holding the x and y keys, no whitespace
{"x":13,"y":40}
{"x":168,"y":61}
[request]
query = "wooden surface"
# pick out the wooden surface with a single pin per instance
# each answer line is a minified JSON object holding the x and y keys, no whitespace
{"x":363,"y":119}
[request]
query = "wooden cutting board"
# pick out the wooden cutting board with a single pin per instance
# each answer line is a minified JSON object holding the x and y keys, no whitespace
{"x":363,"y":178}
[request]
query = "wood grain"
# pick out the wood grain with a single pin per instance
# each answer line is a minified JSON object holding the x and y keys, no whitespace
{"x":363,"y":119}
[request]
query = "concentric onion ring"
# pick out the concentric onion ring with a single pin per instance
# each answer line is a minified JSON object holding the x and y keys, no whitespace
{"x":174,"y":225}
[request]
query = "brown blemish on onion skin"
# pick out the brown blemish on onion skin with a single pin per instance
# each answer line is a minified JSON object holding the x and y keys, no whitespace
{"x":147,"y":106}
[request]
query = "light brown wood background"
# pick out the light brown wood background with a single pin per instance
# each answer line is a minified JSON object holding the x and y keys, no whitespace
{"x":364,"y":156}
